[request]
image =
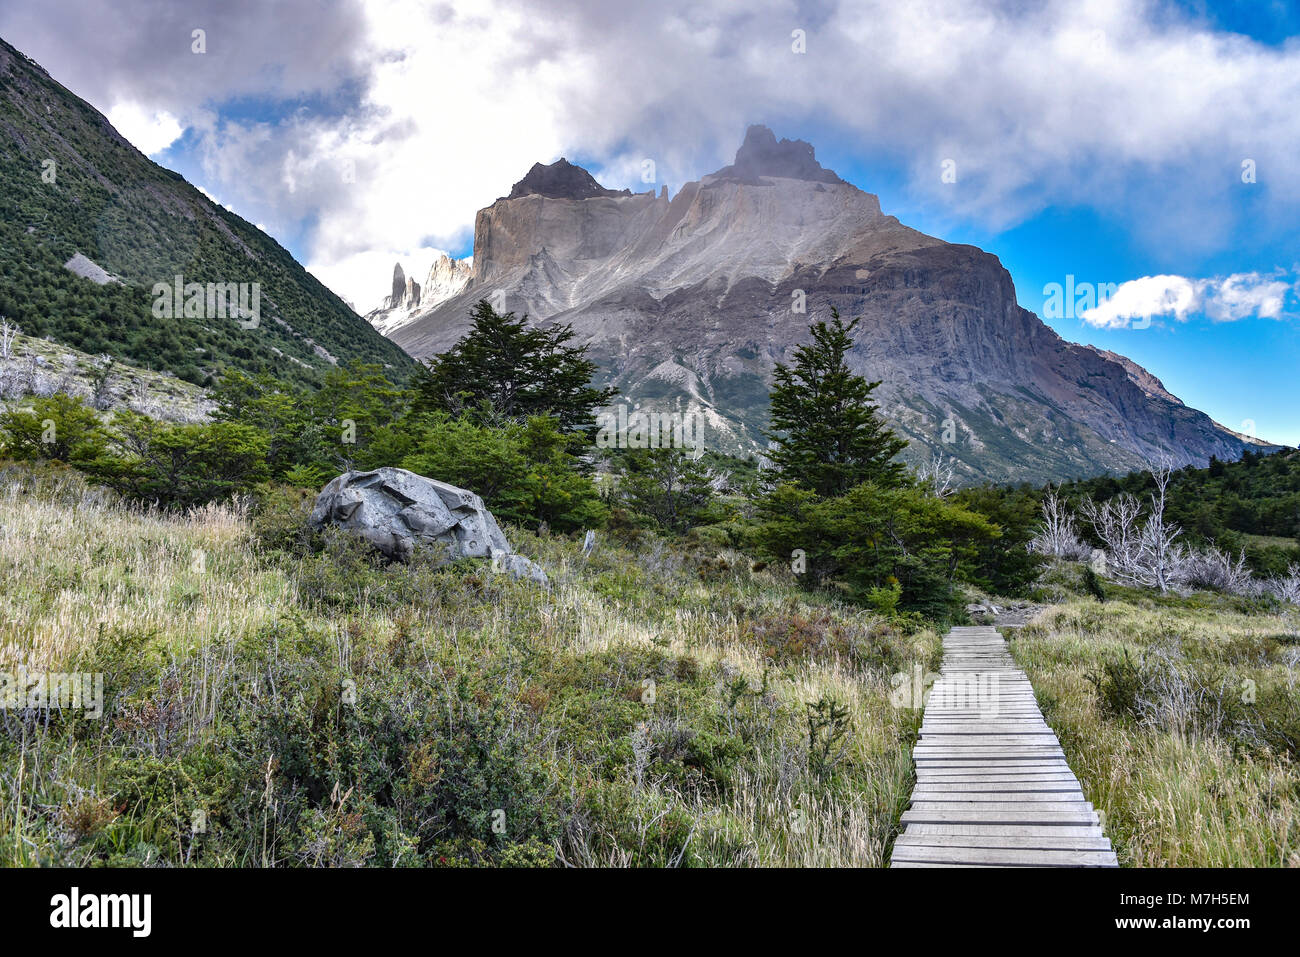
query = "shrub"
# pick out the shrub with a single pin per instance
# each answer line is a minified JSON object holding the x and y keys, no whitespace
{"x":874,"y":538}
{"x":667,"y":486}
{"x":181,"y":466}
{"x":1092,"y":582}
{"x":58,"y":428}
{"x":523,"y":470}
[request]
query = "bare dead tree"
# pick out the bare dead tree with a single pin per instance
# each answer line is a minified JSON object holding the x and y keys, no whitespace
{"x":1158,"y":536}
{"x":936,"y":476}
{"x":1287,"y":587}
{"x":9,"y":331}
{"x":1214,"y":568}
{"x":1143,"y":552}
{"x":1057,"y":535}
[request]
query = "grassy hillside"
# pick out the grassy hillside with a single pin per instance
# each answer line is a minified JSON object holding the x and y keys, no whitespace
{"x":69,"y":183}
{"x":310,"y":707}
{"x":1180,"y":716}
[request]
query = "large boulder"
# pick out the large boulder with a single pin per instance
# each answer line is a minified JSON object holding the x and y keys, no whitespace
{"x":398,"y":511}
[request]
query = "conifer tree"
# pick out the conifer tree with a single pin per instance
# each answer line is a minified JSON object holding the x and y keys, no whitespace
{"x":829,"y":434}
{"x":517,"y":370}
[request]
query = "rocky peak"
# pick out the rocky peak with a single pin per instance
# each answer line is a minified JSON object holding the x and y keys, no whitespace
{"x":561,"y":180}
{"x":761,"y":154}
{"x":399,"y":286}
{"x":446,"y":277}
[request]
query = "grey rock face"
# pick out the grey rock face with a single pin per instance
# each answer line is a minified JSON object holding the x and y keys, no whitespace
{"x":398,"y":511}
{"x":399,"y":286}
{"x":516,"y":566}
{"x":761,"y":155}
{"x":688,"y":302}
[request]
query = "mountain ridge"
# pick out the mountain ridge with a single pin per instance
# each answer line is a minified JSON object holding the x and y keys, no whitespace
{"x":688,"y":302}
{"x":73,"y":189}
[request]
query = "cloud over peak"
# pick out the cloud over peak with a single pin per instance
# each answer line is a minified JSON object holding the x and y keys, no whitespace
{"x":385,"y":125}
{"x":1223,"y":299}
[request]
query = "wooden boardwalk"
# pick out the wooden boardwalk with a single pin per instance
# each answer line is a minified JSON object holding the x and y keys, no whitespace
{"x":992,"y":786}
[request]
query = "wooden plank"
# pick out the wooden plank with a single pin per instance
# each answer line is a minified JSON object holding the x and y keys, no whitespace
{"x":1065,"y":786}
{"x":995,"y":797}
{"x":1026,"y":841}
{"x":959,"y":830}
{"x":1005,"y":857}
{"x":1019,"y":815}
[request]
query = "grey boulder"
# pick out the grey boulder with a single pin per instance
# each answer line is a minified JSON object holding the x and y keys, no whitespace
{"x":398,"y":511}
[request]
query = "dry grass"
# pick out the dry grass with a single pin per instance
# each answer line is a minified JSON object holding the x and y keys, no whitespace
{"x":1176,"y":789}
{"x":76,"y":568}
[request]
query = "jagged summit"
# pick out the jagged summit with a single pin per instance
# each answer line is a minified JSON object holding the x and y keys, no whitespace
{"x":762,"y":155}
{"x":561,"y":180}
{"x":688,"y":303}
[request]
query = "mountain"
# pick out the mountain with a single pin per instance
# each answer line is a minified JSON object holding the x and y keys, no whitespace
{"x":410,"y":299}
{"x":688,"y":301}
{"x":88,"y":226}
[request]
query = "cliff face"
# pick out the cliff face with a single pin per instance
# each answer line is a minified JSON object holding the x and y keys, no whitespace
{"x":687,"y":303}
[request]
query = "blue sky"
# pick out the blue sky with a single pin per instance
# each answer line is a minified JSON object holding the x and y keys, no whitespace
{"x":1103,"y":141}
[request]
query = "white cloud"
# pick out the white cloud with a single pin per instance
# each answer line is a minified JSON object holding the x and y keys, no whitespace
{"x":150,"y":132}
{"x":1126,"y":107}
{"x":1223,"y":299}
{"x":1247,"y":294}
{"x":370,"y":273}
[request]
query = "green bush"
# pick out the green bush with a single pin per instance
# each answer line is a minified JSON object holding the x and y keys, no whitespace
{"x":58,"y":428}
{"x":181,"y":466}
{"x":874,"y":538}
{"x":523,"y":470}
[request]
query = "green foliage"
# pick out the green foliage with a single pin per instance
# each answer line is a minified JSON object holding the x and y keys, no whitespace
{"x":523,"y":470}
{"x":1093,"y":584}
{"x":669,"y":486}
{"x":181,"y":466}
{"x":1119,"y":684}
{"x":875,"y":538}
{"x":829,"y":723}
{"x":514,"y":369}
{"x":58,"y":428}
{"x":312,"y":435}
{"x":1004,"y":565}
{"x":830,"y":435}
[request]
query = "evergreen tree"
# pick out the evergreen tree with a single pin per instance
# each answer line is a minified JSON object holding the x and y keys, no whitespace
{"x":830,"y":436}
{"x":668,"y":486}
{"x":518,"y":370}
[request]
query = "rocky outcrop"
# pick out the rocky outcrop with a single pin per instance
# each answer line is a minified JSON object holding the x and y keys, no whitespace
{"x":760,"y":155}
{"x":687,"y":303}
{"x":399,"y":512}
{"x":399,"y":287}
{"x":446,"y":278}
{"x":561,"y":180}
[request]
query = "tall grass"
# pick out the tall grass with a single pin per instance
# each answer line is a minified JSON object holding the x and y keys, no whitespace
{"x":1180,"y":717}
{"x":648,"y":709}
